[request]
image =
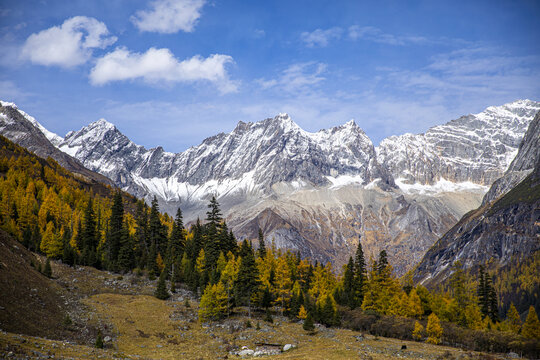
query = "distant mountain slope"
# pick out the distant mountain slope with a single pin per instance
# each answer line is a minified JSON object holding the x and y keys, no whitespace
{"x":24,"y":130}
{"x":522,"y":165}
{"x":498,"y":232}
{"x":476,"y":148}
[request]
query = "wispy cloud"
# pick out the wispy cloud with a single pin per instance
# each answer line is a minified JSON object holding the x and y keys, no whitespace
{"x":9,"y":91}
{"x":301,"y":77}
{"x":320,"y":37}
{"x":374,"y":34}
{"x":472,"y":73}
{"x":169,"y":16}
{"x":68,"y":45}
{"x":160,"y":65}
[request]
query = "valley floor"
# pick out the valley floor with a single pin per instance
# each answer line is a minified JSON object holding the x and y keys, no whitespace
{"x":136,"y":325}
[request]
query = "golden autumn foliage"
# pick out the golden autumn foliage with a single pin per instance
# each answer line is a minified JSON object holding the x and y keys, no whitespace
{"x":434,"y":329}
{"x":418,"y":332}
{"x":531,"y":326}
{"x":213,"y":305}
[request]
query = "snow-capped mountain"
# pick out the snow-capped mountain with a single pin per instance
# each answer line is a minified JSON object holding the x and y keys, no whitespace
{"x":320,"y":192}
{"x":475,"y":148}
{"x":253,"y":157}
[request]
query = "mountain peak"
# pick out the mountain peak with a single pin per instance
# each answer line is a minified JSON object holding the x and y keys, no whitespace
{"x":102,"y":123}
{"x":52,"y":137}
{"x":351,"y":123}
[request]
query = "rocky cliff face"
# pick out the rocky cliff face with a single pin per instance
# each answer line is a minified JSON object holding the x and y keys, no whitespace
{"x":522,"y":165}
{"x":319,"y":192}
{"x":24,"y":130}
{"x":498,"y":232}
{"x":476,"y":148}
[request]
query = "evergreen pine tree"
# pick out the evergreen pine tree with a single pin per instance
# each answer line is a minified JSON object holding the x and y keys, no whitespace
{"x":89,"y":236}
{"x":247,"y":279}
{"x":213,"y":215}
{"x":266,"y":299}
{"x":328,"y":310}
{"x":151,"y":264}
{"x":177,"y":239}
{"x":262,"y":245}
{"x":68,"y":253}
{"x":156,"y":230}
{"x":382,"y":263}
{"x":492,"y":302}
{"x":142,"y":242}
{"x":482,"y":291}
{"x":211,"y":248}
{"x":125,"y":255}
{"x":359,"y":277}
{"x":348,"y":297}
{"x":161,"y":290}
{"x":47,"y":270}
{"x":115,"y":233}
{"x":308,"y":323}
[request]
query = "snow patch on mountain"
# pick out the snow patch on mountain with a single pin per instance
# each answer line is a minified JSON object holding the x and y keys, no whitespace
{"x":440,"y":186}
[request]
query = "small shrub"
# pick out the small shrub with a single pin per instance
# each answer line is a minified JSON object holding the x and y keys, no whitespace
{"x":67,"y":320}
{"x":99,"y":340}
{"x":308,"y":323}
{"x":247,"y":324}
{"x":268,"y":318}
{"x":161,"y":290}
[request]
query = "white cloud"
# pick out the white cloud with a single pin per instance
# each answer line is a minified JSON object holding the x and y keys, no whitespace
{"x":169,"y":16}
{"x":67,"y":45}
{"x":296,"y":78}
{"x":320,"y":37}
{"x":374,"y":34}
{"x":158,"y":65}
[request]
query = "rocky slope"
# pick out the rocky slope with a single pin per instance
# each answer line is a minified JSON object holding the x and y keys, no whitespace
{"x":24,"y":130}
{"x":319,"y":192}
{"x":505,"y":230}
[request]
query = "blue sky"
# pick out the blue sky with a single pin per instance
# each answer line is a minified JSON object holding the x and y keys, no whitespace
{"x":172,"y":72}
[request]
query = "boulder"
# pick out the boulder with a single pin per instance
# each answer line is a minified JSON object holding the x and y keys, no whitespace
{"x":246,"y":352}
{"x":288,"y":347}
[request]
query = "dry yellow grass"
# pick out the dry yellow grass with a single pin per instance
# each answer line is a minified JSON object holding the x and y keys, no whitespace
{"x":148,"y":328}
